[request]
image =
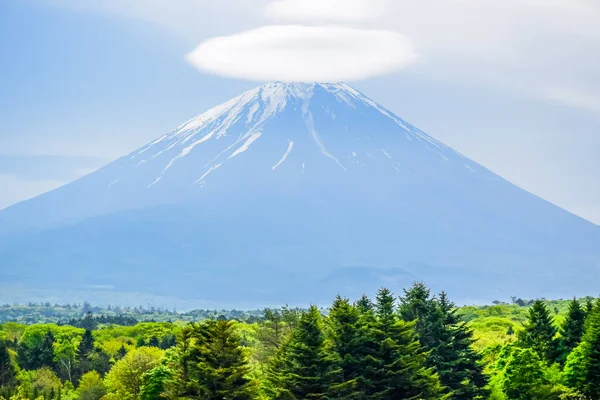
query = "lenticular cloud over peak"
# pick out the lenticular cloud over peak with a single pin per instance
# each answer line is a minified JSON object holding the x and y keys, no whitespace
{"x":297,"y":53}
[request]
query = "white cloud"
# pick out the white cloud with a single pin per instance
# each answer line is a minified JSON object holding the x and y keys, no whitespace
{"x":326,"y":10}
{"x":304,"y":53}
{"x":523,"y":46}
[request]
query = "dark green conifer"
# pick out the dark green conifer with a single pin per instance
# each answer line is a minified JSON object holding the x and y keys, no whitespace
{"x":583,"y":364}
{"x":402,"y":373}
{"x":572,"y":330}
{"x":210,"y":364}
{"x":153,"y":342}
{"x":122,"y":352}
{"x":86,"y":346}
{"x":7,"y":369}
{"x":539,"y":332}
{"x":302,"y":368}
{"x":364,"y":304}
{"x":46,"y":352}
{"x":348,"y":351}
{"x":448,"y":340}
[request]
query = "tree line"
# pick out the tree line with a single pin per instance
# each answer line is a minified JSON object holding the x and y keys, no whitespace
{"x":413,"y":346}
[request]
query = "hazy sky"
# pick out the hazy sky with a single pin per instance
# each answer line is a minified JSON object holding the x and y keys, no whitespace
{"x":512,"y":84}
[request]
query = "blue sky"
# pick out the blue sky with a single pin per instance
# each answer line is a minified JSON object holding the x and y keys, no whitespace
{"x":514,"y":85}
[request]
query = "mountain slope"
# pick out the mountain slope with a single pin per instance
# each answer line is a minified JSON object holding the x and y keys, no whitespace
{"x":291,"y":191}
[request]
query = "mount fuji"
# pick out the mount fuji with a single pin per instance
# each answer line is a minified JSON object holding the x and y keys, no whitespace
{"x":294,"y":192}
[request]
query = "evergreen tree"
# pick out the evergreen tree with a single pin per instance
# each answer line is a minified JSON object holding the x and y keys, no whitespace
{"x":8,"y":372}
{"x":88,"y":322}
{"x":180,"y":384}
{"x":46,"y":352}
{"x":86,"y":346}
{"x":572,"y":330}
{"x":348,"y":351}
{"x":539,"y":332}
{"x":301,"y":370}
{"x":153,"y":342}
{"x":271,"y":332}
{"x":402,"y":373}
{"x":210,"y":364}
{"x":459,"y":366}
{"x":122,"y":352}
{"x":583,"y":364}
{"x":364,"y":304}
{"x":416,"y":305}
{"x":448,"y":340}
{"x":589,"y":306}
{"x":167,"y":342}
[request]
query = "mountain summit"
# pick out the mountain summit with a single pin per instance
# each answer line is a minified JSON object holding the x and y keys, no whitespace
{"x":291,"y":191}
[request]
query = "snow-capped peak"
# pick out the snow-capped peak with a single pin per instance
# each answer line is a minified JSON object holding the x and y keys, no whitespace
{"x":305,"y":120}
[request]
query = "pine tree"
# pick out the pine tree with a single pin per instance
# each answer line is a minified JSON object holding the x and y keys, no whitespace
{"x":459,"y":366}
{"x":85,"y":351}
{"x":364,"y":304}
{"x":572,"y":330}
{"x":583,"y":364}
{"x":348,"y":351}
{"x":447,"y":340}
{"x":122,"y":352}
{"x":46,"y":352}
{"x":539,"y":332}
{"x":403,"y":373}
{"x":7,"y":369}
{"x":302,"y":368}
{"x":589,"y":306}
{"x":153,"y":342}
{"x":88,"y":322}
{"x":210,"y":364}
{"x":86,"y":346}
{"x":181,"y":385}
{"x":270,"y":334}
{"x":167,"y":342}
{"x":416,"y":305}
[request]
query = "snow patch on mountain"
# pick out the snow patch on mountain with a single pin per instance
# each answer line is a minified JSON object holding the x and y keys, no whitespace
{"x":285,"y":155}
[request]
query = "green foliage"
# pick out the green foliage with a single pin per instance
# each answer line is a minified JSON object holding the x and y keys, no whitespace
{"x":302,"y":367}
{"x":420,"y":348}
{"x":583,"y":364}
{"x":210,"y":363}
{"x":153,"y":381}
{"x":448,"y":340}
{"x":572,"y":330}
{"x":39,"y":383}
{"x":400,"y":370}
{"x":539,"y":332}
{"x":270,"y":334}
{"x":8,"y":371}
{"x":349,"y":348}
{"x":124,"y":381}
{"x":91,"y":387}
{"x":525,"y":377}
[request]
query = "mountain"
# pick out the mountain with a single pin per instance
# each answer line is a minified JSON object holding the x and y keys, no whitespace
{"x":294,"y":192}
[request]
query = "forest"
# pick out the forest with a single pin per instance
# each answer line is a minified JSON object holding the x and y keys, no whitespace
{"x":413,"y":345}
